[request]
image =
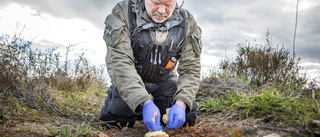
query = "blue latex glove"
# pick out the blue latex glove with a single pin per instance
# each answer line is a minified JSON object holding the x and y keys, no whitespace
{"x":177,"y":117}
{"x":148,"y":111}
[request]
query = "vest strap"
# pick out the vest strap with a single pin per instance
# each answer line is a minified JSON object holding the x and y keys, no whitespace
{"x":151,"y":59}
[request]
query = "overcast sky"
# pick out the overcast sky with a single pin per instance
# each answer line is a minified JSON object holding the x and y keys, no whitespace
{"x":224,"y":23}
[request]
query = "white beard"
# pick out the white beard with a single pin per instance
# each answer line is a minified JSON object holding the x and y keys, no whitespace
{"x":153,"y":18}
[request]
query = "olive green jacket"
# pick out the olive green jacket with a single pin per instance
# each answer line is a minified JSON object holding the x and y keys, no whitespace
{"x":121,"y":65}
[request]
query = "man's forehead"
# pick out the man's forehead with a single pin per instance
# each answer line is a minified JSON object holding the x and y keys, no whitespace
{"x":165,"y":1}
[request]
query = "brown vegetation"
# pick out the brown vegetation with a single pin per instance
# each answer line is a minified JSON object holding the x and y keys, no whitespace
{"x":259,"y":93}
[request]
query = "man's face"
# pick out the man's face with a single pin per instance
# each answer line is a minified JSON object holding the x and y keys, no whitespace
{"x":160,"y":10}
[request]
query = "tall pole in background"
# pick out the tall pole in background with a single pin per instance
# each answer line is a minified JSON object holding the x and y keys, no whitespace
{"x":295,"y":29}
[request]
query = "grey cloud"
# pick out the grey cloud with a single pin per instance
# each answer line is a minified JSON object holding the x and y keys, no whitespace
{"x":308,"y":34}
{"x":94,"y":11}
{"x":4,"y":3}
{"x":230,"y":20}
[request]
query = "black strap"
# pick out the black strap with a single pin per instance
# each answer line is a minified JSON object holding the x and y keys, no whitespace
{"x":145,"y":49}
{"x":132,"y":25}
{"x":132,"y":17}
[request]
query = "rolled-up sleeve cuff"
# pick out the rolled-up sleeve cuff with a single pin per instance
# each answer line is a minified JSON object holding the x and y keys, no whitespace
{"x":136,"y":104}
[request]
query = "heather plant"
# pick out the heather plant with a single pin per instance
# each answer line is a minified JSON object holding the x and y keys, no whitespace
{"x":32,"y":76}
{"x":22,"y":74}
{"x":13,"y":62}
{"x":259,"y":64}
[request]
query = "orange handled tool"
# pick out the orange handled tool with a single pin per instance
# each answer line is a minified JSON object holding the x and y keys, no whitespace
{"x":171,"y":62}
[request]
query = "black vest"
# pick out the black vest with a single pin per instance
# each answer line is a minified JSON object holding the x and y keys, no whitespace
{"x":154,"y":63}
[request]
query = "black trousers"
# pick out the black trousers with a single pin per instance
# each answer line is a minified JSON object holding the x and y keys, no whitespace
{"x":115,"y":110}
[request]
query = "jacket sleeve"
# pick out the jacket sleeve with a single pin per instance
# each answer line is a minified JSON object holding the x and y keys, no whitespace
{"x":120,"y":61}
{"x":189,"y":65}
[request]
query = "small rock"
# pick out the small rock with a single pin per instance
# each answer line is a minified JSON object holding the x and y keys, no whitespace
{"x":156,"y":134}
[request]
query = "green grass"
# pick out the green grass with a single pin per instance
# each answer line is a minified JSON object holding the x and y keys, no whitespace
{"x":298,"y":110}
{"x":81,"y":130}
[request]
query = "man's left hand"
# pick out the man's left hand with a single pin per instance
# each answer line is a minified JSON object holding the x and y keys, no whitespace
{"x":177,"y":115}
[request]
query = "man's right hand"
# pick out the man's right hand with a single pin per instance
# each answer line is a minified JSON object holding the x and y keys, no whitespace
{"x":151,"y":116}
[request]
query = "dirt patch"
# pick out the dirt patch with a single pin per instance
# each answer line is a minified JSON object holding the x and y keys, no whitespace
{"x":215,"y":125}
{"x":207,"y":125}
